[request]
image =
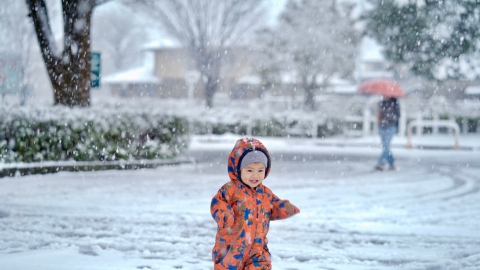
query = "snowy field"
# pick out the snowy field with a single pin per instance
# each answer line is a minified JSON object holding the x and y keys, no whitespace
{"x":423,"y":216}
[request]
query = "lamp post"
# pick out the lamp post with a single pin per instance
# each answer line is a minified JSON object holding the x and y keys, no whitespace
{"x":191,"y":78}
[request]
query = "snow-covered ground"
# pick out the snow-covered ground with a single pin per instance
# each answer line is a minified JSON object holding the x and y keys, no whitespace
{"x":423,"y":216}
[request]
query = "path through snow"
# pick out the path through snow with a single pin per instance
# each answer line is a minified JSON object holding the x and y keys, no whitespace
{"x":424,"y":216}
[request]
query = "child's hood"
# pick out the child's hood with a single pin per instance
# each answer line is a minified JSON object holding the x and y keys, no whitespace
{"x":241,"y":148}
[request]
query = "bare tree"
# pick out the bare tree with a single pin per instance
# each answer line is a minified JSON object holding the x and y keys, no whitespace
{"x":314,"y":40}
{"x":205,"y":28}
{"x":119,"y":39}
{"x":68,"y":69}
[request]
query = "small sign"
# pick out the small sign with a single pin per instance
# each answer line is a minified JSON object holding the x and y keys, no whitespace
{"x":9,"y":73}
{"x":95,"y":70}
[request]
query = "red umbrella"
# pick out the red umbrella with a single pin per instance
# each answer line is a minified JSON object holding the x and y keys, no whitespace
{"x":382,"y":87}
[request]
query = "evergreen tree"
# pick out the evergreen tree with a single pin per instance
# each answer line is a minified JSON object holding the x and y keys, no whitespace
{"x":436,"y":39}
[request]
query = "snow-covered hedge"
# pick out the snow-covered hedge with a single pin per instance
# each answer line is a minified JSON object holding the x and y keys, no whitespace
{"x":34,"y":134}
{"x":274,"y":127}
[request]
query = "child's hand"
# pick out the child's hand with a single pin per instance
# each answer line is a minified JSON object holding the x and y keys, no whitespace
{"x":227,"y":221}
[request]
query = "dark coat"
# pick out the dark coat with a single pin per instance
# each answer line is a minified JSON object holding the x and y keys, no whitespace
{"x":389,"y":113}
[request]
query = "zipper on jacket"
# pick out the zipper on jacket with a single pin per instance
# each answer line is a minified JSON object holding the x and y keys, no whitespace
{"x":255,"y":216}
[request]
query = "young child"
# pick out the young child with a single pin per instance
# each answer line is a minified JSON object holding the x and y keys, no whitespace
{"x":243,"y":209}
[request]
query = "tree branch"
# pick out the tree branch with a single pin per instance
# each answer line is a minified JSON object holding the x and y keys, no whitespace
{"x":38,"y":12}
{"x":100,"y":2}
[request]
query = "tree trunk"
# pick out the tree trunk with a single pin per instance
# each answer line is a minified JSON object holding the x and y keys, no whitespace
{"x":69,"y":70}
{"x":210,"y":89}
{"x":309,"y":98}
{"x":209,"y":65}
{"x":309,"y":88}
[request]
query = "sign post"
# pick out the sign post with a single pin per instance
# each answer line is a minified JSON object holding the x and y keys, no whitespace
{"x":95,"y":70}
{"x":9,"y":73}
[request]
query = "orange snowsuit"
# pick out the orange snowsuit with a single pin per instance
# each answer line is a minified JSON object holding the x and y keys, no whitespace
{"x":243,"y":215}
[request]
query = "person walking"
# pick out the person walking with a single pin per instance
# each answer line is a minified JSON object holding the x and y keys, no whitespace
{"x":388,"y":116}
{"x":243,"y":209}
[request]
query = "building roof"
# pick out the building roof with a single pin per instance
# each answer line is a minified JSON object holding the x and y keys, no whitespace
{"x":162,"y":45}
{"x":370,"y":50}
{"x":342,"y":89}
{"x":138,"y":75}
{"x":249,"y":79}
{"x":472,"y":90}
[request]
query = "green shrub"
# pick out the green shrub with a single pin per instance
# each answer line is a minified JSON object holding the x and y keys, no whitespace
{"x":60,"y":134}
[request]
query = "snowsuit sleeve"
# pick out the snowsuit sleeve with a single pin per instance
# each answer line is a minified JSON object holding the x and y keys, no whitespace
{"x":222,"y":212}
{"x":281,"y":209}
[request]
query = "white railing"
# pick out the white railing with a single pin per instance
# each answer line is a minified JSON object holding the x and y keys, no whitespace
{"x":435,"y":124}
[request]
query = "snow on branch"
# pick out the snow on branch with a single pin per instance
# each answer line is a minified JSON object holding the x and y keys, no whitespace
{"x":39,"y":13}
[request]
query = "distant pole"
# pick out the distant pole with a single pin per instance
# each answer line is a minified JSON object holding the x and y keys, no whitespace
{"x":464,"y":125}
{"x":191,"y":78}
{"x":419,"y":124}
{"x":435,"y":122}
{"x":402,"y":125}
{"x":366,"y":121}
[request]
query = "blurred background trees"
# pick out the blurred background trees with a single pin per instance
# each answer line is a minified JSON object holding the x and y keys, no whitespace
{"x":313,"y":41}
{"x":120,"y":37}
{"x":206,"y":28}
{"x":18,"y":39}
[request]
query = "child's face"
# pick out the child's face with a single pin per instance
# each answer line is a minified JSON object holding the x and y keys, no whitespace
{"x":253,"y":174}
